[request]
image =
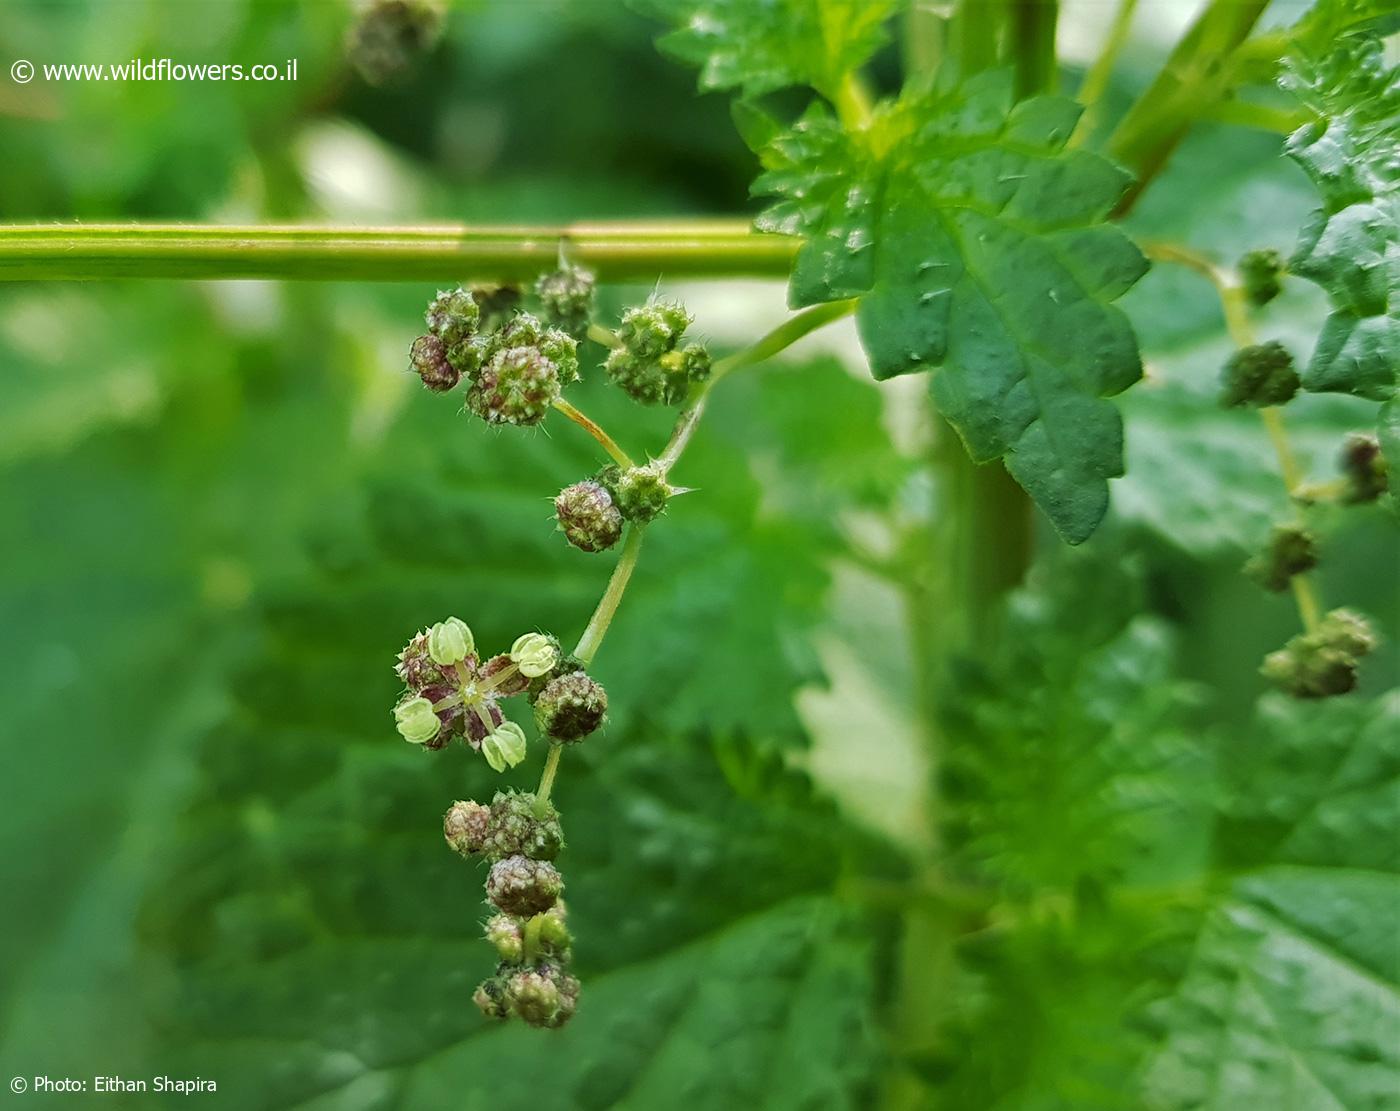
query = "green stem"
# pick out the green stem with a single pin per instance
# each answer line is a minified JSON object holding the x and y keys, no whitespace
{"x":587,"y":646}
{"x":594,"y":429}
{"x":604,"y":336}
{"x":1033,"y":45}
{"x":977,"y":26}
{"x":1198,"y":73}
{"x":780,"y":338}
{"x":1235,"y":307}
{"x":616,"y":252}
{"x":1091,"y":93}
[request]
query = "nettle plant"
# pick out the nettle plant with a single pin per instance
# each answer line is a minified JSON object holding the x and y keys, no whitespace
{"x":921,"y":172}
{"x":965,"y":223}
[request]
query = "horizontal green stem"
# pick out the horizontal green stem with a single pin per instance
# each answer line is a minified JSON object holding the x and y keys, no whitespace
{"x":616,"y":252}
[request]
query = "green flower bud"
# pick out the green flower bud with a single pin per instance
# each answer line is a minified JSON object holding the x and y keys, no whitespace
{"x":570,"y":708}
{"x":450,"y":641}
{"x":1323,"y":662}
{"x":566,"y":298}
{"x":650,"y":366}
{"x":416,"y":721}
{"x":544,"y":996}
{"x":428,"y":359}
{"x":1259,"y":376}
{"x":523,"y":887}
{"x":553,"y":928}
{"x":517,"y":386}
{"x":534,"y":654}
{"x":1364,"y":468}
{"x":454,"y":317}
{"x":1292,"y":550}
{"x":523,"y":825}
{"x":504,"y":747}
{"x":390,"y":36}
{"x":504,"y":933}
{"x":587,"y":516}
{"x":1261,"y":272}
{"x":641,"y":493}
{"x":465,"y":825}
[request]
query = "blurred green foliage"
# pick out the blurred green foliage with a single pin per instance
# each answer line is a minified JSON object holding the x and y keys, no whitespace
{"x":225,"y":508}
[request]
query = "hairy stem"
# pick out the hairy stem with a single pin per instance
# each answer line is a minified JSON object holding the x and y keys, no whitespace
{"x":616,"y":252}
{"x":594,"y":429}
{"x":1235,"y":307}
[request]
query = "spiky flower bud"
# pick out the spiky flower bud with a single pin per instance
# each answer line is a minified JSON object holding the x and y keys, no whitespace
{"x":504,"y":933}
{"x":465,"y":825}
{"x":517,"y":386}
{"x":1261,"y":272}
{"x":650,"y":366}
{"x":544,"y":996}
{"x":1292,"y":550}
{"x":534,"y":653}
{"x":560,"y":348}
{"x":504,"y":747}
{"x":1364,"y":468}
{"x":640,"y":493}
{"x":450,"y":641}
{"x":416,"y":721}
{"x":390,"y":35}
{"x":523,"y":887}
{"x":1323,"y":662}
{"x":523,"y":825}
{"x":587,"y":516}
{"x":417,"y":668}
{"x":570,"y":708}
{"x":454,"y":316}
{"x":566,"y":299}
{"x":428,"y":359}
{"x":1259,"y":376}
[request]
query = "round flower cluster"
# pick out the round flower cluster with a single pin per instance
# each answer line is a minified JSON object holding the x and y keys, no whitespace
{"x":514,"y":373}
{"x":566,"y":299}
{"x":650,"y":364}
{"x":1323,"y":662}
{"x":1259,"y":376}
{"x":519,"y":835}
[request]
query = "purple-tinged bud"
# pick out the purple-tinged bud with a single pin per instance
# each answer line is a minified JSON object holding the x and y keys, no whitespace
{"x":1364,"y":469}
{"x":570,"y":708}
{"x":517,"y":386}
{"x":523,"y":887}
{"x":417,"y":668}
{"x":490,"y":998}
{"x":544,"y":996}
{"x":523,"y":825}
{"x":428,"y":359}
{"x":515,"y":683}
{"x":587,"y":516}
{"x":466,"y":826}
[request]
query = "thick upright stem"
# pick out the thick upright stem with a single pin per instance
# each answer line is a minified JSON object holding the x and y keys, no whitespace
{"x":616,"y":252}
{"x":1198,"y":73}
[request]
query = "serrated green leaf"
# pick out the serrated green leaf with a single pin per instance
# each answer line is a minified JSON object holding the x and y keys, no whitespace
{"x":1292,"y":996}
{"x":762,"y":45}
{"x":1352,"y":246}
{"x":980,"y":246}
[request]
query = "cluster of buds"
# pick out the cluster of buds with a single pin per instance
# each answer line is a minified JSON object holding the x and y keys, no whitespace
{"x":566,"y":299}
{"x":1259,"y":376}
{"x":650,"y":364}
{"x":591,"y":513}
{"x":452,"y":693}
{"x":519,"y":836}
{"x":1323,"y":662}
{"x":515,"y":371}
{"x":1364,"y":469}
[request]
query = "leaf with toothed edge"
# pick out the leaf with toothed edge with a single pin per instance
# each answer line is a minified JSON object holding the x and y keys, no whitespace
{"x":980,"y":247}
